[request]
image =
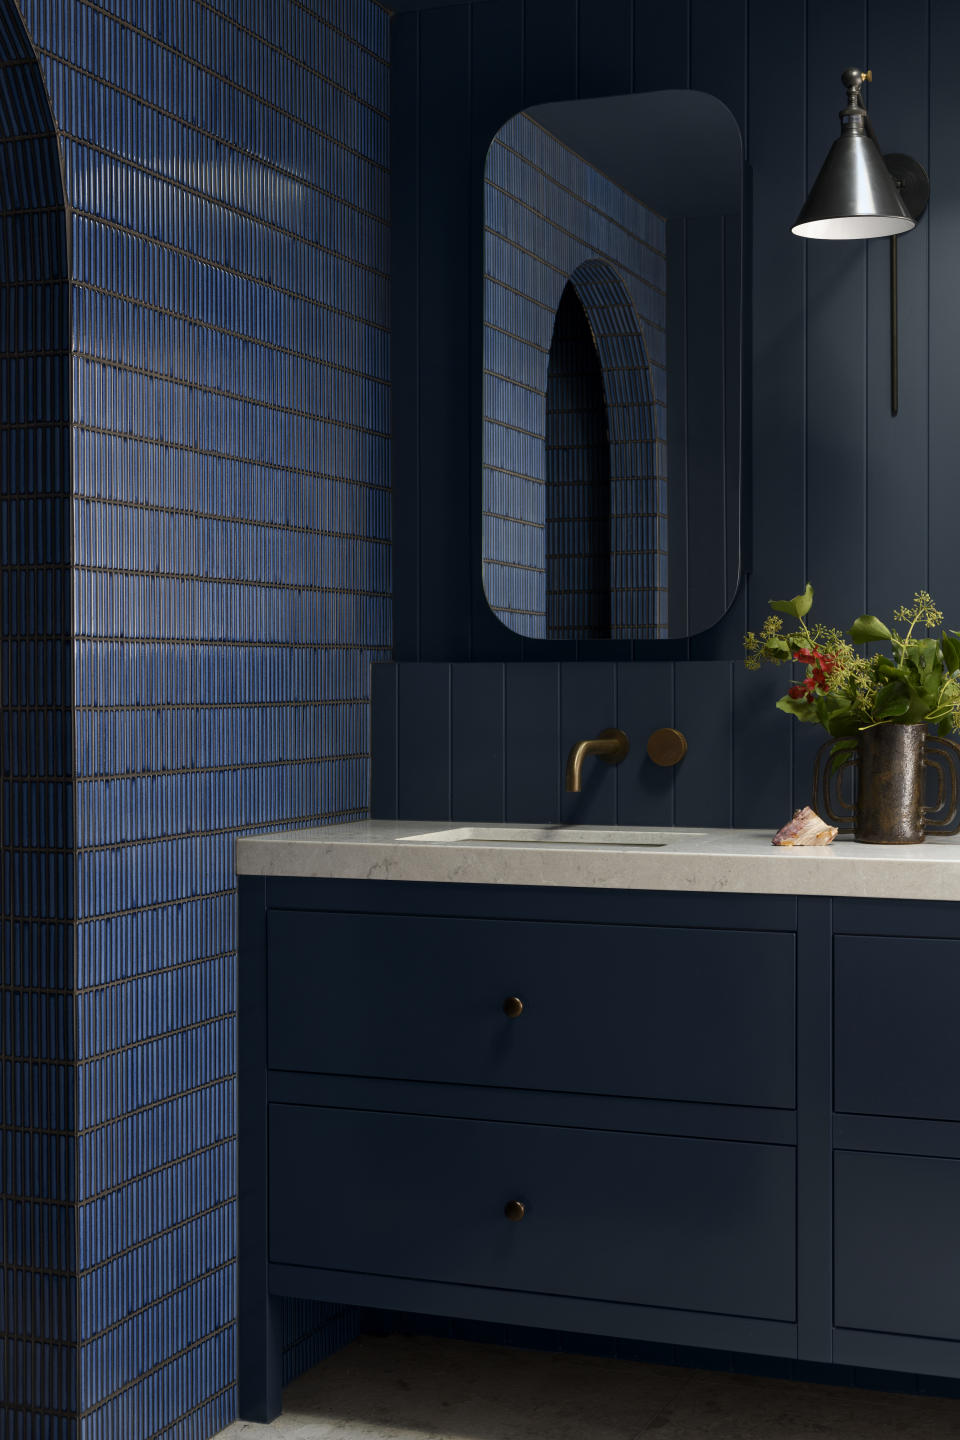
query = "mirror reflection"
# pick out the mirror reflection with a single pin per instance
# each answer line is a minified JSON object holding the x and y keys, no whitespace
{"x":612,"y":335}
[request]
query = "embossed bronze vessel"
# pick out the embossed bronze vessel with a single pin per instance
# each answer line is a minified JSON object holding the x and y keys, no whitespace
{"x":892,"y":763}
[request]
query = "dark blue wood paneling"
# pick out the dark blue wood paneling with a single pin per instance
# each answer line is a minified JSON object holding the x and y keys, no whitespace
{"x":718,"y":52}
{"x":692,"y":1015}
{"x":588,"y":704}
{"x":645,"y":703}
{"x":423,"y":739}
{"x":549,"y":50}
{"x":533,"y":770}
{"x":383,"y":742}
{"x":706,"y":568}
{"x":714,"y":1233}
{"x":814,"y":1139}
{"x":898,"y":1253}
{"x":661,"y":54}
{"x":477,"y":742}
{"x":818,"y":337}
{"x":835,"y":328}
{"x":897,"y":447}
{"x":444,"y":340}
{"x":605,"y":48}
{"x":942,"y":218}
{"x":547,"y":708}
{"x":705,"y":715}
{"x":897,"y":1002}
{"x":777,"y":381}
{"x":762,"y":789}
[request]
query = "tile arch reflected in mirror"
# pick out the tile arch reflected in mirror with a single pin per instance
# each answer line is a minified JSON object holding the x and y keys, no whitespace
{"x":660,"y":291}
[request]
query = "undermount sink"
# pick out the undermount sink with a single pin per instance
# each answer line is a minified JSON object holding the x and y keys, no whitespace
{"x":582,"y":835}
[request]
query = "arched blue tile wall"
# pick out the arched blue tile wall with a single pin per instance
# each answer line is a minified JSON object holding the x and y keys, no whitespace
{"x":38,"y":1286}
{"x":225,"y":165}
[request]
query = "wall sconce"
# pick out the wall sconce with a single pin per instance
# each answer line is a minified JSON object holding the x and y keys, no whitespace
{"x":861,"y":194}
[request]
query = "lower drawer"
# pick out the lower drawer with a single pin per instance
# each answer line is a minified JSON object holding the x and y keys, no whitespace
{"x":898,"y":1244}
{"x":646,"y":1219}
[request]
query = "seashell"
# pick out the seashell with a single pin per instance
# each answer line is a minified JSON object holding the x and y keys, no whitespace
{"x":806,"y":828}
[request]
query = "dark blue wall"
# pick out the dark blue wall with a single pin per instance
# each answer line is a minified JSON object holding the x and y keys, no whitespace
{"x":863,"y":505}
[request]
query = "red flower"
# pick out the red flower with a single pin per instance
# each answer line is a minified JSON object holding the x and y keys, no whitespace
{"x":796,"y":692}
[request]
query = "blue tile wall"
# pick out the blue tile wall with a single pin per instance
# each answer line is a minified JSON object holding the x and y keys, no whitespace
{"x":548,"y":214}
{"x":207,"y":517}
{"x":38,"y":1105}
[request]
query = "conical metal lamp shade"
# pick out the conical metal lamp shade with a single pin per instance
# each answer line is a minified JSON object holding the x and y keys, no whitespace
{"x":854,"y":196}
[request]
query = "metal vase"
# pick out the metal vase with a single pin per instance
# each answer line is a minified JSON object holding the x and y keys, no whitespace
{"x":892,"y":762}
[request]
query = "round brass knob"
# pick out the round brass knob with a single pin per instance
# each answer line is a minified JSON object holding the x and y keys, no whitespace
{"x":667,"y":747}
{"x":513,"y":1006}
{"x":514,"y":1209}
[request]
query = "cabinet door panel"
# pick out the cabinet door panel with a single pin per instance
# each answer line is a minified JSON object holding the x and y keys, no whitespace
{"x":671,"y":1014}
{"x":646,"y":1219}
{"x":897,"y":1002}
{"x":898,"y":1244}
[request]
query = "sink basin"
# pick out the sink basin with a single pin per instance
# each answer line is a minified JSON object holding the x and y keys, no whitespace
{"x":615,"y":836}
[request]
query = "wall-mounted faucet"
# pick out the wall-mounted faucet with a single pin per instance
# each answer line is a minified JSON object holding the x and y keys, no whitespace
{"x":611,"y":746}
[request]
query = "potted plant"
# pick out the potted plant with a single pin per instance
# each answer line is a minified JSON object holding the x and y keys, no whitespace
{"x":878,"y":709}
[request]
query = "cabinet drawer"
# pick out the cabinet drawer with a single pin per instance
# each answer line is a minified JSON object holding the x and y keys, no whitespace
{"x":669,"y":1014}
{"x":693,"y":1224}
{"x":898,"y":1244}
{"x":897,"y":1006}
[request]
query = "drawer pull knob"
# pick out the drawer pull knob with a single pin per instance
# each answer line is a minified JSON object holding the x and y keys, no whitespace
{"x":514,"y":1209}
{"x":513,"y":1006}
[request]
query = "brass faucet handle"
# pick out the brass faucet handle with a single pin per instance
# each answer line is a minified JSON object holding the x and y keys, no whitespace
{"x":667,"y":747}
{"x":514,"y":1209}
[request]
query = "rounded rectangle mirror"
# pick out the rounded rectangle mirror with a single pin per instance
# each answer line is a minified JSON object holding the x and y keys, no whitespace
{"x":612,"y":367}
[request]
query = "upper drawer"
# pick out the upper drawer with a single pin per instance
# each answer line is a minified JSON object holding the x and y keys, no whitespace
{"x":694,"y":1015}
{"x":897,"y":1003}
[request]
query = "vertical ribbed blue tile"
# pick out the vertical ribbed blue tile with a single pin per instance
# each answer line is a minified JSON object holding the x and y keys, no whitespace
{"x":38,"y":1286}
{"x":195,"y":558}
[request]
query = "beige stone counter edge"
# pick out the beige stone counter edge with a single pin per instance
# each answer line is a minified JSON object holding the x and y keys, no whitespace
{"x":705,"y":861}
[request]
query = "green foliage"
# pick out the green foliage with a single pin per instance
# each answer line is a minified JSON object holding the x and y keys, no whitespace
{"x":847,"y":691}
{"x":868,"y":627}
{"x":797,"y":607}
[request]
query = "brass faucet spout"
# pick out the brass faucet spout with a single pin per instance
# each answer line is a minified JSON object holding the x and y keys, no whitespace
{"x":611,"y":746}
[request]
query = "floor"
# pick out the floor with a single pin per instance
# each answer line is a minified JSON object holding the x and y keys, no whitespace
{"x":420,"y":1388}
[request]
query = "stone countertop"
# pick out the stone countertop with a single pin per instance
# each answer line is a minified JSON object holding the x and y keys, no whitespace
{"x":707,"y":861}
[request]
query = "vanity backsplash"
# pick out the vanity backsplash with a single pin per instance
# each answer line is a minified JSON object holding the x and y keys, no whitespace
{"x":488,"y":741}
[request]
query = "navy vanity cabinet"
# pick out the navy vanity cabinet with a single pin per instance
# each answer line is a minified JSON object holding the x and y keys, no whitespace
{"x":658,"y":1012}
{"x":640,"y":1107}
{"x":733,"y":1120}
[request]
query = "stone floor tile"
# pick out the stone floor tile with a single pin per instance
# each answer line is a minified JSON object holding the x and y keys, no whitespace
{"x":400,"y":1387}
